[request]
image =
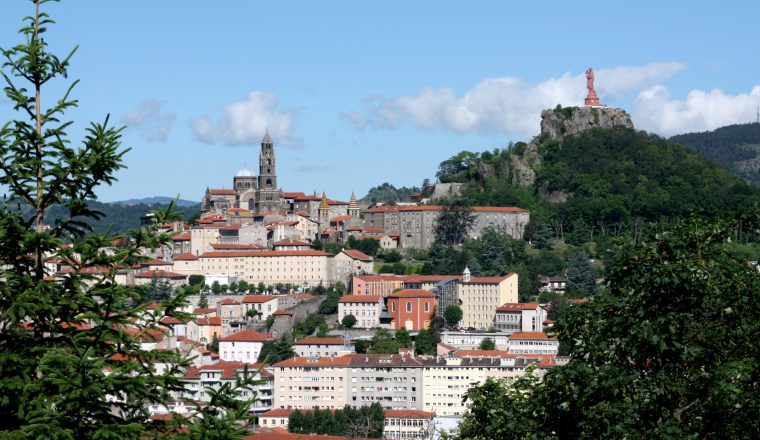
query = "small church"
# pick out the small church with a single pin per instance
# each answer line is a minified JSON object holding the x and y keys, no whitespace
{"x":258,"y":194}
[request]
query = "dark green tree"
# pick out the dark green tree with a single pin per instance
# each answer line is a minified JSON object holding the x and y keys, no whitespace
{"x":214,"y":344}
{"x":403,"y":338}
{"x":487,"y":344}
{"x":276,"y":351}
{"x":203,"y":300}
{"x":348,"y":321}
{"x":70,"y":354}
{"x":195,"y":280}
{"x":383,"y":343}
{"x":425,"y":342}
{"x":453,"y":314}
{"x":454,"y":222}
{"x":580,"y":276}
{"x":669,"y":352}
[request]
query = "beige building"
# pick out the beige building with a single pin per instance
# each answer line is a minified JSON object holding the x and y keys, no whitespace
{"x":266,"y":305}
{"x":204,"y":330}
{"x":326,"y":347}
{"x":198,"y":379}
{"x":365,"y":308}
{"x":202,"y":237}
{"x":446,"y":380}
{"x":301,"y":268}
{"x":186,"y":264}
{"x":350,"y":262}
{"x":174,"y":279}
{"x":311,"y":382}
{"x":520,"y":317}
{"x":533,"y":343}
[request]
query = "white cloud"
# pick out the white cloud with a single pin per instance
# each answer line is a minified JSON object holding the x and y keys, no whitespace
{"x":149,"y":119}
{"x":503,"y":104}
{"x":245,"y":122}
{"x":655,"y":111}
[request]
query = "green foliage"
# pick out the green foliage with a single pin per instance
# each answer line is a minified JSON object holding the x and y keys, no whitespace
{"x":348,"y":321}
{"x":276,"y":351}
{"x":403,"y":338}
{"x":487,"y":344}
{"x":362,"y":422}
{"x":70,"y":354}
{"x":390,"y":255}
{"x":369,"y":246}
{"x":395,"y":268}
{"x":728,"y":146}
{"x":214,"y":344}
{"x":580,"y":276}
{"x":386,"y":193}
{"x":269,"y":321}
{"x":425,"y":342}
{"x":308,"y":326}
{"x":669,"y":352}
{"x":383,"y":343}
{"x":329,"y":305}
{"x":195,"y":280}
{"x":453,"y":315}
{"x":454,"y":222}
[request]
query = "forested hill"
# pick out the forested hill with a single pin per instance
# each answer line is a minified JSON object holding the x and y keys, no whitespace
{"x":603,"y":181}
{"x":387,"y":193}
{"x":736,"y":147}
{"x":120,"y":218}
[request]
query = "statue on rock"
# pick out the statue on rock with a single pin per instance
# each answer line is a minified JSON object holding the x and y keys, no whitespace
{"x":591,"y":98}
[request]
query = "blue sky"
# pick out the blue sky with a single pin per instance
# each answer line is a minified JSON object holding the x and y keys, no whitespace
{"x":357,"y":93}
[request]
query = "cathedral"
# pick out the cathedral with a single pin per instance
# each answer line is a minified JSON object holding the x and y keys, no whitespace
{"x":260,"y":195}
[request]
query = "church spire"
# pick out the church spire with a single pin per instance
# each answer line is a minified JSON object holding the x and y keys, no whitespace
{"x":353,"y":208}
{"x":267,"y":139}
{"x":323,"y":204}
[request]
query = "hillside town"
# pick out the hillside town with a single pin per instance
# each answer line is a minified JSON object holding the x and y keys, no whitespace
{"x":255,"y":259}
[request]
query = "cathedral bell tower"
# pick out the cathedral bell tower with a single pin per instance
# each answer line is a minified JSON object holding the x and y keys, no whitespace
{"x":324,"y":214}
{"x":268,"y":195}
{"x":353,"y":208}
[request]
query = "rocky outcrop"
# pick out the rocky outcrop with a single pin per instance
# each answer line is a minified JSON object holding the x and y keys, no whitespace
{"x":560,"y":122}
{"x":523,"y":167}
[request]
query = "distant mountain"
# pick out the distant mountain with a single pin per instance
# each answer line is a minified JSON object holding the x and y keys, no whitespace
{"x":153,"y":200}
{"x":736,"y":147}
{"x":386,"y":193}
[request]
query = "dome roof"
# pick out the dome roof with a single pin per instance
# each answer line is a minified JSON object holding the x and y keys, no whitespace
{"x":244,"y":172}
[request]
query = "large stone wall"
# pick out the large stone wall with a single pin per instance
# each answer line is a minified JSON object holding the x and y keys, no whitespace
{"x":560,"y":122}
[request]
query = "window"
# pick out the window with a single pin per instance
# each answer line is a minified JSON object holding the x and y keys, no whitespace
{"x":427,"y":306}
{"x":408,"y":306}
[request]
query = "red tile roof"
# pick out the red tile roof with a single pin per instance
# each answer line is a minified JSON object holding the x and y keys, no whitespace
{"x":340,"y":218}
{"x":291,"y":242}
{"x":222,"y":192}
{"x":320,"y":341}
{"x":530,"y":335}
{"x":483,"y":353}
{"x":248,"y":299}
{"x":235,"y":227}
{"x":374,"y":230}
{"x":160,"y":274}
{"x":182,"y":236}
{"x":407,"y":414}
{"x":293,"y":195}
{"x":357,"y":255}
{"x":304,"y":253}
{"x":279,"y":312}
{"x":204,"y":310}
{"x":341,"y":361}
{"x":155,"y":262}
{"x":246,"y":336}
{"x":229,"y":302}
{"x":214,"y":320}
{"x":228,"y":369}
{"x":187,"y":256}
{"x":360,"y":299}
{"x":412,"y":293}
{"x":517,"y":307}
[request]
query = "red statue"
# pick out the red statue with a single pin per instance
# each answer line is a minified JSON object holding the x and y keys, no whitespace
{"x":591,"y":98}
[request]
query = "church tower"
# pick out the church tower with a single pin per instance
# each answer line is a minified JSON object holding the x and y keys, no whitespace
{"x":353,"y":208}
{"x":324,"y":214}
{"x":267,"y":195}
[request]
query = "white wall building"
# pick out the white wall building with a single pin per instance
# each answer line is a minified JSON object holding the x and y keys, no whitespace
{"x":365,"y":308}
{"x":244,"y":346}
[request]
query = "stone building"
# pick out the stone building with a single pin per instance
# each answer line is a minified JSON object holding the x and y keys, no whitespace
{"x":258,"y":194}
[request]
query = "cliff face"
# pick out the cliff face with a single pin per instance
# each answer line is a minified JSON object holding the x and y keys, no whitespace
{"x":560,"y":122}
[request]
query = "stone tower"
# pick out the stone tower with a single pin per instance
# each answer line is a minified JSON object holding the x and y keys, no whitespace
{"x":353,"y":208}
{"x":324,"y":214}
{"x":245,"y":186}
{"x":267,"y":195}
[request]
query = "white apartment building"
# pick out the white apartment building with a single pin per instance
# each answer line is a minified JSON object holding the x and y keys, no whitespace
{"x":365,"y":308}
{"x":520,"y":317}
{"x":243,"y":346}
{"x":264,"y":304}
{"x":533,"y":343}
{"x":214,"y":375}
{"x":322,"y":347}
{"x":311,"y":382}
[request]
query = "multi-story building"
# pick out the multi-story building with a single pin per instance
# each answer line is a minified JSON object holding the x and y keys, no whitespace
{"x":416,"y":224}
{"x":378,"y":285}
{"x":244,"y":346}
{"x":213,"y":376}
{"x":533,"y":343}
{"x":411,"y":309}
{"x":393,"y":380}
{"x":350,"y":262}
{"x":265,"y":305}
{"x":447,"y":379}
{"x":204,"y":329}
{"x":302,"y":268}
{"x":322,"y":347}
{"x":365,"y":308}
{"x":520,"y":317}
{"x":311,"y":382}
